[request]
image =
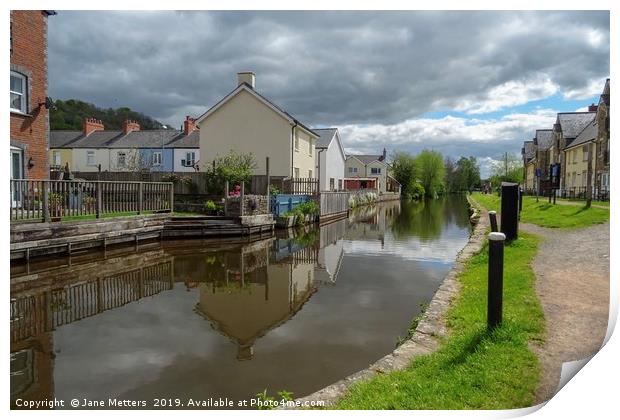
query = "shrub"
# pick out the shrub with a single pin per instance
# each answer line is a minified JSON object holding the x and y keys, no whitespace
{"x":209,"y":206}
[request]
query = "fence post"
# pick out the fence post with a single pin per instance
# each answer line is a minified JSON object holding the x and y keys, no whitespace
{"x":226,"y":198}
{"x":495,"y":279}
{"x":493,"y":218}
{"x":140,"y":194}
{"x":46,"y":202}
{"x":241,"y":198}
{"x":268,"y":176}
{"x":99,"y":203}
{"x":171,"y":186}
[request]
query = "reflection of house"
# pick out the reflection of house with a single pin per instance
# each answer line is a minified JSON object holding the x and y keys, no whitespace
{"x":32,"y":369}
{"x":256,"y":300}
{"x":331,"y":252}
{"x":247,"y":122}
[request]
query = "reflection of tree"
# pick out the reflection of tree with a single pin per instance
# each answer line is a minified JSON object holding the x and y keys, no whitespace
{"x":424,"y":219}
{"x":456,"y":211}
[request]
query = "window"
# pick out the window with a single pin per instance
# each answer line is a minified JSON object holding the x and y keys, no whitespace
{"x":56,"y":158}
{"x":340,"y":184}
{"x":332,"y":183}
{"x":90,"y":158}
{"x":584,"y":151}
{"x":156,"y":158}
{"x":352,"y":170}
{"x":310,"y":173}
{"x":296,"y":172}
{"x":121,"y":159}
{"x":297,"y":144}
{"x":190,"y":158}
{"x":375,"y":171}
{"x":19,"y":99}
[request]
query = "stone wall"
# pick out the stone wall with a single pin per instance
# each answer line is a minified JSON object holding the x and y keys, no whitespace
{"x":252,"y":205}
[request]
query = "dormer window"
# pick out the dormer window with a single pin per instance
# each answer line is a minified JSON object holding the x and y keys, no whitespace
{"x":19,"y":98}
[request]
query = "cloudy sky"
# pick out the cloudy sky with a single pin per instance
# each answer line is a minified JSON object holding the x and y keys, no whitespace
{"x":462,"y":83}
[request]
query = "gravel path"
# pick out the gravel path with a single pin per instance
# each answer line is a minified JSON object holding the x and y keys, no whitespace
{"x":572,"y":282}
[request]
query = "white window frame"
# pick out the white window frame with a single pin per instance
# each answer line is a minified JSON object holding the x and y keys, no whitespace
{"x":24,"y":94}
{"x":56,"y":158}
{"x":156,"y":161}
{"x":309,"y":173}
{"x":119,"y":163}
{"x":190,"y":158}
{"x":90,"y":158}
{"x":295,"y":172}
{"x":375,"y":171}
{"x":296,"y":144}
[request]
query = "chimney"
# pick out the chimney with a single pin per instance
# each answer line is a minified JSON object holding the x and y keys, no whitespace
{"x":90,"y":125}
{"x":189,"y":125}
{"x":247,"y":77}
{"x":129,"y":126}
{"x":592,"y":108}
{"x":384,"y":155}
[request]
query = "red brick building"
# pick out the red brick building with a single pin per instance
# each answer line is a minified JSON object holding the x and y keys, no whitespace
{"x":29,"y":114}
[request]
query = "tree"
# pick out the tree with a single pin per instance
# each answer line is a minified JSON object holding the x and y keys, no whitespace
{"x":405,"y":172}
{"x":235,"y":168}
{"x":508,"y":169}
{"x":468,"y":173}
{"x":431,"y":171}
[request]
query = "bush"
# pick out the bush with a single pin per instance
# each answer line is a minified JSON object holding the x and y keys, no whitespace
{"x":273,"y":190}
{"x":309,"y":207}
{"x":210,"y":206}
{"x":416,"y":191}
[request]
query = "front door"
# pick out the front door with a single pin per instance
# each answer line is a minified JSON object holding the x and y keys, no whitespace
{"x":17,"y":172}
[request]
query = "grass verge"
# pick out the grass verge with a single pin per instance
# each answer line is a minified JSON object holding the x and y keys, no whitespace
{"x":473,"y":368}
{"x":549,"y":215}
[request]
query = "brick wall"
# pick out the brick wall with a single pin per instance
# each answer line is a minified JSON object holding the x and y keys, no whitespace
{"x":30,"y":132}
{"x":253,"y":205}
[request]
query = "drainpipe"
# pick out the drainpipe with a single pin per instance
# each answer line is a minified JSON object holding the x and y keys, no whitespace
{"x":293,"y":147}
{"x":320,"y":149}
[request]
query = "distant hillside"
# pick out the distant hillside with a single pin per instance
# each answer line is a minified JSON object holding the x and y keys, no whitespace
{"x":70,"y":114}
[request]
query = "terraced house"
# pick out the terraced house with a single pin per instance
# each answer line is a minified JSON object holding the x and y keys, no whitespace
{"x":29,"y":103}
{"x":576,"y":148}
{"x":130,"y":149}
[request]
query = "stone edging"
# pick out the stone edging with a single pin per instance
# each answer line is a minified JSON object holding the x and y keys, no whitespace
{"x":431,"y":328}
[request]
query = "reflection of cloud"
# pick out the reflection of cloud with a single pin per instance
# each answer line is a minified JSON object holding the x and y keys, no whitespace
{"x":443,"y":249}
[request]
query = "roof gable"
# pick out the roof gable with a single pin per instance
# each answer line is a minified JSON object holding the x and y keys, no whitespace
{"x":247,"y":88}
{"x":573,"y":123}
{"x":588,"y":134}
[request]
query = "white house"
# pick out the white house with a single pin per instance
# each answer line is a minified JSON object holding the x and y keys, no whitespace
{"x":330,"y":159}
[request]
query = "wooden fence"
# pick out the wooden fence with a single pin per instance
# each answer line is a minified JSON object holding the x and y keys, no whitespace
{"x":333,"y":203}
{"x":47,"y":200}
{"x":304,"y":186}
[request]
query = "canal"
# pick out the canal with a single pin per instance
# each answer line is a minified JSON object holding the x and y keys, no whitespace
{"x":195,"y":319}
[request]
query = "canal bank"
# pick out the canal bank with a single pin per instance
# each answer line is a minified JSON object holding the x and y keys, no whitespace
{"x":431,"y":328}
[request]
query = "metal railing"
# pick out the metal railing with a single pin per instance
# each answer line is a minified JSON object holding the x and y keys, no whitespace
{"x":51,"y":200}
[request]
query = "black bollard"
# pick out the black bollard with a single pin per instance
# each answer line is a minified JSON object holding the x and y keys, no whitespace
{"x":520,"y":201}
{"x":496,"y":279}
{"x":554,"y":194}
{"x":493,"y":219}
{"x":510,"y":210}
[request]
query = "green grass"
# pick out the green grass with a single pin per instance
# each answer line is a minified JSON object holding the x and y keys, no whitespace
{"x":549,"y":215}
{"x":474,"y":368}
{"x":582,"y":202}
{"x":104,"y":216}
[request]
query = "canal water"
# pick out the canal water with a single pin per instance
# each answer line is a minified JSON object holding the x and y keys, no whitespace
{"x":194,"y":319}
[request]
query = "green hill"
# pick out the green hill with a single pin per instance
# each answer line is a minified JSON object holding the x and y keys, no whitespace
{"x":70,"y":114}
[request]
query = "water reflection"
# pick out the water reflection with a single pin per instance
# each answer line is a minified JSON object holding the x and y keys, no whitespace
{"x":198,"y":318}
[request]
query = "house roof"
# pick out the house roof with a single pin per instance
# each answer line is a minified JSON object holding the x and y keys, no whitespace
{"x":192,"y":140}
{"x":59,"y":138}
{"x":530,"y":150}
{"x":246,"y":87}
{"x":325,"y":136}
{"x":115,"y":139}
{"x":573,"y":123}
{"x":145,"y":139}
{"x":543,"y":139}
{"x":366,"y":159}
{"x":588,"y":134}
